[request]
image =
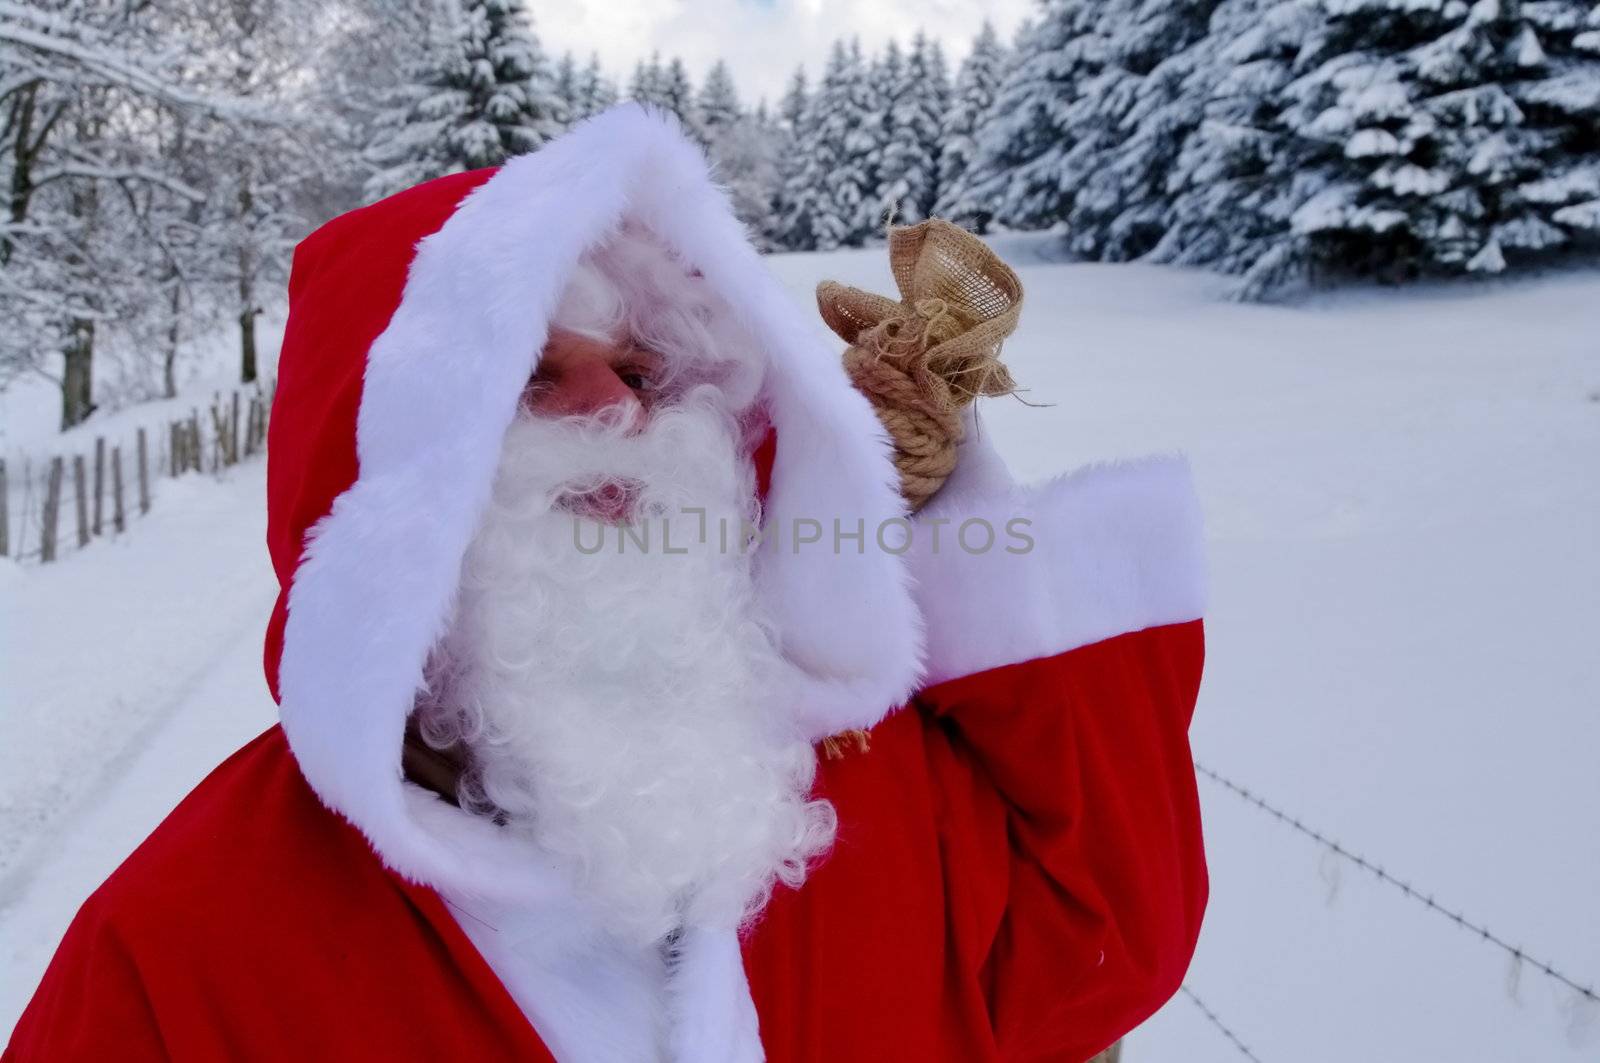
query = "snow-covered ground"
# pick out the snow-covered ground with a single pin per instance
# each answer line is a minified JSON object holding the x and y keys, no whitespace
{"x":1403,"y":494}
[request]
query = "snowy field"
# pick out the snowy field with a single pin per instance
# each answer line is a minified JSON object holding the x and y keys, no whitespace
{"x":1403,"y":495}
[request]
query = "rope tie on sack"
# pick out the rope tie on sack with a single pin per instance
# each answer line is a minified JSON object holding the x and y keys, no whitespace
{"x":923,"y":358}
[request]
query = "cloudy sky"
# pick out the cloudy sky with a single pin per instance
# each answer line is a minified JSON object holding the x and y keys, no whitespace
{"x":763,"y":40}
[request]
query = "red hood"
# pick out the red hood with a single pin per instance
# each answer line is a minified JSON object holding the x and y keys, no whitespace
{"x":413,"y":326}
{"x":346,"y":284}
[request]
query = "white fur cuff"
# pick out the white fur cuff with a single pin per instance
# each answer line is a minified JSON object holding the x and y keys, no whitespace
{"x":1019,"y":573}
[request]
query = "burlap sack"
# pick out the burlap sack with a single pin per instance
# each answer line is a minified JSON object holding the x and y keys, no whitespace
{"x":923,"y":358}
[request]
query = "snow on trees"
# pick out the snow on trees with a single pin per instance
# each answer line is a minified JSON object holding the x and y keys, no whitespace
{"x":677,"y":97}
{"x":719,"y":100}
{"x":483,"y":92}
{"x":789,"y":226}
{"x":830,"y":195}
{"x":584,"y":91}
{"x":1289,"y":140}
{"x":647,"y":82}
{"x":1131,"y":119}
{"x":667,"y":87}
{"x":975,"y":88}
{"x":115,"y":118}
{"x":919,"y":97}
{"x":1024,"y":145}
{"x":743,"y":148}
{"x":594,"y":91}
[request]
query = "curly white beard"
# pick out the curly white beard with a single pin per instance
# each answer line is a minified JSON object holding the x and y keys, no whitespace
{"x":615,"y":704}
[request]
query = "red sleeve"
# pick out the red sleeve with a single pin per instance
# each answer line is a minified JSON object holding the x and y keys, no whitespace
{"x":92,"y":1003}
{"x":1105,"y":883}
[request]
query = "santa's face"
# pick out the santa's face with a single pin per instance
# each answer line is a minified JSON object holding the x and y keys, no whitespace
{"x":614,"y":702}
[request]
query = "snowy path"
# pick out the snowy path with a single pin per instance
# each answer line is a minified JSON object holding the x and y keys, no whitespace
{"x":1403,"y":502}
{"x":137,"y":670}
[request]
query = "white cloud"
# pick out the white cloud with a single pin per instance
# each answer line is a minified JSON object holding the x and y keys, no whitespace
{"x":762,"y":40}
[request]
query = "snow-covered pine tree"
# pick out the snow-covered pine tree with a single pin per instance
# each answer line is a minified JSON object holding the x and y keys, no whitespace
{"x":564,"y":82}
{"x":1025,"y":141}
{"x":861,"y":117}
{"x":677,"y":96}
{"x":788,"y":227}
{"x":745,"y":156}
{"x":909,"y":170}
{"x":976,"y":85}
{"x":484,"y":93}
{"x":1131,"y":121}
{"x":1561,"y":95}
{"x":1413,"y":130}
{"x":595,"y":92}
{"x":719,"y":101}
{"x":1234,"y":165}
{"x":885,"y":81}
{"x":828,"y":196}
{"x":646,"y":84}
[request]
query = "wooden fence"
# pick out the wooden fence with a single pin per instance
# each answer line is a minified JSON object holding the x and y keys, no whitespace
{"x":109,"y":486}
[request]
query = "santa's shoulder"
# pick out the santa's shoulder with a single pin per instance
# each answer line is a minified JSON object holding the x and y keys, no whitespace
{"x":244,"y":862}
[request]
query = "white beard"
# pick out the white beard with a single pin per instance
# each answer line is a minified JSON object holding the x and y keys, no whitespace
{"x":615,"y":704}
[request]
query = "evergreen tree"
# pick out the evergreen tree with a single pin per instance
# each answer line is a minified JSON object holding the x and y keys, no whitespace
{"x":909,"y":176}
{"x":861,"y":120}
{"x":677,"y":96}
{"x":976,"y":85}
{"x":1415,"y":140}
{"x":1131,"y":121}
{"x":719,"y":101}
{"x":565,"y":84}
{"x":484,"y":93}
{"x":595,"y":92}
{"x":885,"y":83}
{"x":1026,"y":145}
{"x":828,"y":196}
{"x":648,"y":84}
{"x":1569,"y":87}
{"x":1232,"y":163}
{"x":745,"y":155}
{"x":788,"y":227}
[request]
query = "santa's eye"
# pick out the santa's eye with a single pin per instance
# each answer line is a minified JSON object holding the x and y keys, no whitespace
{"x":637,"y":379}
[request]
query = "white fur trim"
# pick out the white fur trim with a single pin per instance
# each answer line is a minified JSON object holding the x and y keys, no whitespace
{"x":710,"y":1014}
{"x":1115,"y":548}
{"x":374,"y":590}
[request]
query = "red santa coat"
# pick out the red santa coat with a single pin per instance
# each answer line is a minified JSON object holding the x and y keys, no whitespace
{"x":1018,"y":873}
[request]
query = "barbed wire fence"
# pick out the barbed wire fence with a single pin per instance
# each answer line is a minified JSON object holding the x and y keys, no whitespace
{"x":1519,"y":955}
{"x":1582,"y":988}
{"x":1217,"y":1022}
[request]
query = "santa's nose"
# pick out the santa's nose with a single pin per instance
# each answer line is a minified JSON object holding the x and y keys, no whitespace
{"x":580,"y":379}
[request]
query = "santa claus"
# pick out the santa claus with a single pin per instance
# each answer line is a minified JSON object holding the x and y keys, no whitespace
{"x":586,"y":542}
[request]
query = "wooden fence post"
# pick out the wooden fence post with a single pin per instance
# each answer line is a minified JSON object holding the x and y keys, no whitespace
{"x":144,"y":474}
{"x":52,"y":506}
{"x":116,"y":490}
{"x":80,"y":491}
{"x":219,"y":456}
{"x":233,"y":431}
{"x":5,"y":512}
{"x":99,"y":478}
{"x":173,"y":447}
{"x":194,"y":439}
